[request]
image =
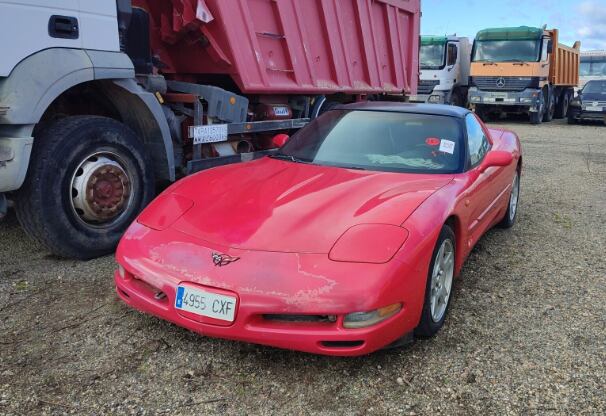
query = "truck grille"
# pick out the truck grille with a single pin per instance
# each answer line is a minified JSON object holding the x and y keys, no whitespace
{"x":426,"y":87}
{"x":504,"y":83}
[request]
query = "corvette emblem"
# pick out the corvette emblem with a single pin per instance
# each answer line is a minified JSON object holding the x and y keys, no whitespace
{"x":221,"y":260}
{"x":501,"y":82}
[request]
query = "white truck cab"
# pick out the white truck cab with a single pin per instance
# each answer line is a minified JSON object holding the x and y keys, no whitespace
{"x":444,"y":75}
{"x":593,"y":67}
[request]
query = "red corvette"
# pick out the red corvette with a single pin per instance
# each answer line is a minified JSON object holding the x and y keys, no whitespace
{"x":342,"y":242}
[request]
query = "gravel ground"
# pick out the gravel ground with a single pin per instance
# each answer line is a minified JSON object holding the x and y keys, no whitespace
{"x":526,"y":332}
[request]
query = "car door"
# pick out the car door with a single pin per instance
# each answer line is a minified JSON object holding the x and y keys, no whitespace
{"x":483,"y":192}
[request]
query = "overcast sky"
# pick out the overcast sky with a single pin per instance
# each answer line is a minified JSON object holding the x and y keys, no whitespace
{"x":577,"y":20}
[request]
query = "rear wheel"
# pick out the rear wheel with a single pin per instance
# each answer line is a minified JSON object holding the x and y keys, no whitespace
{"x":439,"y":285}
{"x":88,"y":179}
{"x":514,"y":199}
{"x":562,"y":107}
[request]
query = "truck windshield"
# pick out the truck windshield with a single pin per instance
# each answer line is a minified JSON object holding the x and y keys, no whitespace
{"x":379,"y":141}
{"x":432,"y":56}
{"x":507,"y":51}
{"x":593,"y":66}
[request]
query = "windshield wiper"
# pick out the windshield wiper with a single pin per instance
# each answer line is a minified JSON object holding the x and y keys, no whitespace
{"x":290,"y":158}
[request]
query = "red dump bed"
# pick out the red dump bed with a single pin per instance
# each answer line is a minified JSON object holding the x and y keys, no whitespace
{"x":291,"y":46}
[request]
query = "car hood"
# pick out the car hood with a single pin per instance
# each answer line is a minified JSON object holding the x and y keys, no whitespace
{"x":275,"y":205}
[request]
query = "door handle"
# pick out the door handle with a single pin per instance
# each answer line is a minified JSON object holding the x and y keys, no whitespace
{"x":63,"y":27}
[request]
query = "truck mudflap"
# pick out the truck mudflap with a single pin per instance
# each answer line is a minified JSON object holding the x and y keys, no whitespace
{"x":526,"y":98}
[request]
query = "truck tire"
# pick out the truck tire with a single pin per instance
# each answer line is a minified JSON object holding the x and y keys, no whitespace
{"x":456,"y":99}
{"x":562,"y":107}
{"x":88,"y":179}
{"x":537,"y":117}
{"x":550,"y":109}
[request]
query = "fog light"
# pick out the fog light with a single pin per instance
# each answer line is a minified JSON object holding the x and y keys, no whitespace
{"x":121,"y":271}
{"x":366,"y":319}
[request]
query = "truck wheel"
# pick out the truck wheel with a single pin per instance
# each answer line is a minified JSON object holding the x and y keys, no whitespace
{"x":88,"y":179}
{"x":549,"y":110}
{"x":456,"y":99}
{"x":537,"y":117}
{"x":562,"y":107}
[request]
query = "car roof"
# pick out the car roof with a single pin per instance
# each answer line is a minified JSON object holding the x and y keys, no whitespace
{"x":396,"y":107}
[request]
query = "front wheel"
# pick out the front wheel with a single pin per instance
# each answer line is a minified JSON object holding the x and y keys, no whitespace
{"x":439,"y":285}
{"x":537,"y":116}
{"x":88,"y":179}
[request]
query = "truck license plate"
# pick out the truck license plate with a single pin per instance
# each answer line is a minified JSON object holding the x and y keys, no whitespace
{"x":212,"y":133}
{"x":200,"y":302}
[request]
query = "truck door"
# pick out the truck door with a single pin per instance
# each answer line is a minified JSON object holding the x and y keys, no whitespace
{"x":452,"y":63}
{"x":37,"y":25}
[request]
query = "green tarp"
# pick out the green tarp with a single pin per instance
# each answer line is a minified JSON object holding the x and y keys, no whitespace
{"x":433,"y":40}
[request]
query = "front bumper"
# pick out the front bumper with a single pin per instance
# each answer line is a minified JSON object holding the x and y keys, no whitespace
{"x":267,"y":283}
{"x":578,"y":113}
{"x":528,"y":98}
{"x":435,"y":97}
{"x":14,"y":159}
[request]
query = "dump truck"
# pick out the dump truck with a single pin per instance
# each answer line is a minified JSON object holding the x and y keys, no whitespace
{"x":444,"y":70}
{"x":104,"y":102}
{"x":523,"y":70}
{"x":593,"y":66}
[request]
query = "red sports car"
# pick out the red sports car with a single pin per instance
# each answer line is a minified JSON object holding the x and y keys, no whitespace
{"x":342,"y":242}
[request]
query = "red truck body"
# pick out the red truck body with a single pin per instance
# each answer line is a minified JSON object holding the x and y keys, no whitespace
{"x":282,"y":47}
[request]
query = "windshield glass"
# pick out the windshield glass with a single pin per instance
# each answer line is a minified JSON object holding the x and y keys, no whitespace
{"x":432,"y":56}
{"x":593,"y":67}
{"x":507,"y":51}
{"x":379,"y":141}
{"x":595,"y":87}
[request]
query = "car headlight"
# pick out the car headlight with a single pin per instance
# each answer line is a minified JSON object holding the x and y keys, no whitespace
{"x":164,"y":211}
{"x":365,"y":319}
{"x":369,"y":243}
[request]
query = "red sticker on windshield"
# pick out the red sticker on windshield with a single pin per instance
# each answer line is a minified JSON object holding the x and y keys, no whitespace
{"x":432,"y":141}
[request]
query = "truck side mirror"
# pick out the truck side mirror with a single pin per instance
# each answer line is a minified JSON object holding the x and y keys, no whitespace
{"x":550,"y":46}
{"x":280,"y":140}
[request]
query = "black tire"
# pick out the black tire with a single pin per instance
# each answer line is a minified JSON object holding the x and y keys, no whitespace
{"x":550,"y":109}
{"x":456,"y":99}
{"x":572,"y":120}
{"x":537,"y":117}
{"x":482,"y":113}
{"x":45,"y":204}
{"x":427,"y":327}
{"x":562,"y":107}
{"x":512,"y":211}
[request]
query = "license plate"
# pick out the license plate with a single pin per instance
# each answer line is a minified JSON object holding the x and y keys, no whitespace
{"x":210,"y":305}
{"x":210,"y":134}
{"x":500,"y":95}
{"x":594,"y":108}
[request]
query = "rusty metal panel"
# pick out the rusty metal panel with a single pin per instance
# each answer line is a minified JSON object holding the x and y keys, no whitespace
{"x":291,"y":46}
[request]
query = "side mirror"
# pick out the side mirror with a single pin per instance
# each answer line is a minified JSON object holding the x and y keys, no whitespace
{"x":496,"y":158}
{"x":550,"y":46}
{"x":280,"y":140}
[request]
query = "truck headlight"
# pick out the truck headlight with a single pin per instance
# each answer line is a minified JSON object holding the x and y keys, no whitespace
{"x":526,"y":100}
{"x":476,"y":99}
{"x":435,"y":99}
{"x":358,"y":320}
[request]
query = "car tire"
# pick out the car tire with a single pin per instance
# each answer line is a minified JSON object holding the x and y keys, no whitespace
{"x":434,"y":311}
{"x":572,"y":120}
{"x":89,"y":177}
{"x":512,"y":207}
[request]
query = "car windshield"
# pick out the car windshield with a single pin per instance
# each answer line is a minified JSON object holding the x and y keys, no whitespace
{"x":595,"y":87}
{"x":593,"y":67}
{"x":507,"y":51}
{"x":432,"y":56}
{"x":379,"y":141}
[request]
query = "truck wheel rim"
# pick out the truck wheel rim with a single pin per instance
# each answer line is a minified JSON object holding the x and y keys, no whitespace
{"x":101,"y":189}
{"x":513,"y":199}
{"x":441,"y":280}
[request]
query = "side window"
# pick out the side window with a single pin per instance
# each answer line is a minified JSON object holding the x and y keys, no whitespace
{"x":478,"y":144}
{"x":452,"y":54}
{"x":544,"y":50}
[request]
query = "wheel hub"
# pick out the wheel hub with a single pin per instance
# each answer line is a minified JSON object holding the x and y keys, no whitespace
{"x":100,"y":189}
